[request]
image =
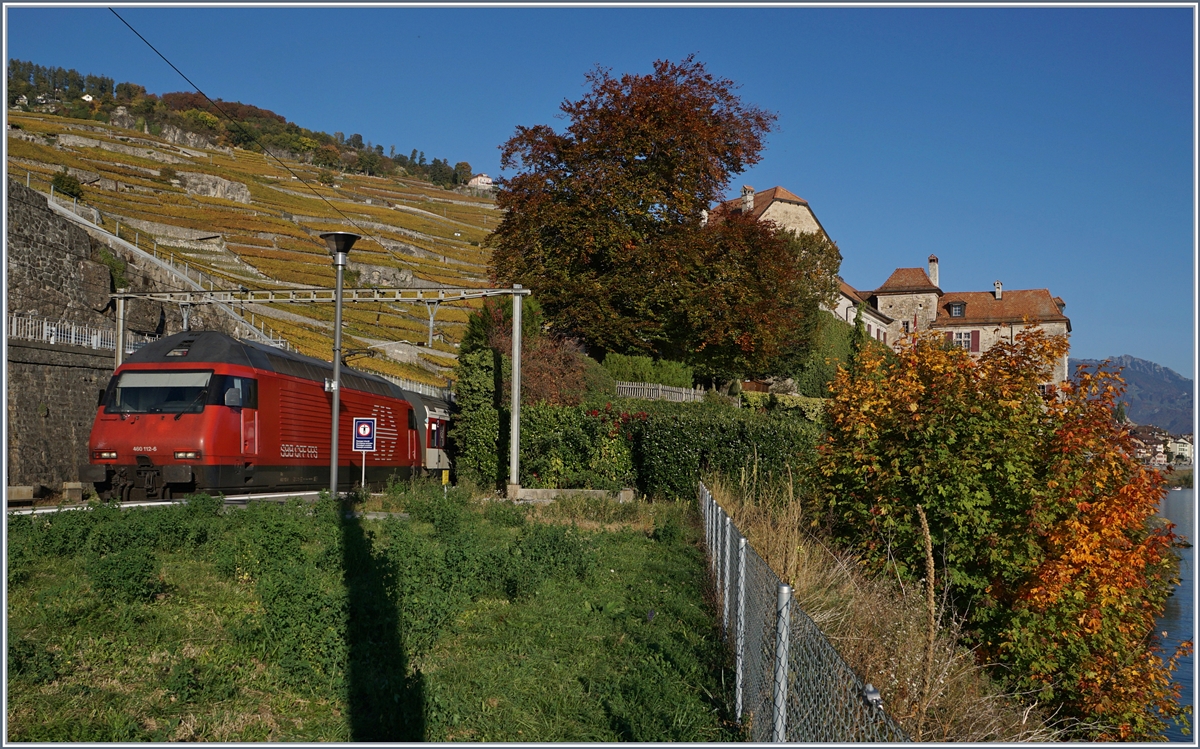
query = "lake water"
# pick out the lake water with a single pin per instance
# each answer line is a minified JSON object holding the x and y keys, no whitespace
{"x":1178,"y":621}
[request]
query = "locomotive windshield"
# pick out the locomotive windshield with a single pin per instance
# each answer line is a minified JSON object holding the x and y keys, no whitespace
{"x":159,"y":392}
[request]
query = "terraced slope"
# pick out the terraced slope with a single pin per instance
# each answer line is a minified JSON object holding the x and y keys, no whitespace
{"x":243,"y":220}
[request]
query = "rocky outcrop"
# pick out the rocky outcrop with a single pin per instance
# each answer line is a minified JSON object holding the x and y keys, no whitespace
{"x":381,"y":275}
{"x":181,"y":137}
{"x":198,"y":183}
{"x":121,"y":117}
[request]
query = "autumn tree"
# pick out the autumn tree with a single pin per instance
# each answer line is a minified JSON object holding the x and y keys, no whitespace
{"x":1040,"y":518}
{"x":605,"y":221}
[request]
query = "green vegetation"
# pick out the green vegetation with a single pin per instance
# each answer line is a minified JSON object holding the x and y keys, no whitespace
{"x":67,"y":185}
{"x":297,"y":622}
{"x":644,"y":369}
{"x":607,"y":222}
{"x":1180,"y":477}
{"x":1032,"y":507}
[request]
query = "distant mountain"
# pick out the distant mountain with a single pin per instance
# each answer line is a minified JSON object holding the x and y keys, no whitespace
{"x":1154,"y":394}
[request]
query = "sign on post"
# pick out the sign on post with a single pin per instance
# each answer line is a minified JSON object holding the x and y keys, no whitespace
{"x":364,"y":441}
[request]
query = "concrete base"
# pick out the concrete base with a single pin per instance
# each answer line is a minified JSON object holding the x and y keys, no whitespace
{"x":72,"y":491}
{"x":20,"y":494}
{"x":540,"y":496}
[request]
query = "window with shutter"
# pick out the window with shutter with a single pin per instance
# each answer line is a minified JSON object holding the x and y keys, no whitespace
{"x":975,"y":341}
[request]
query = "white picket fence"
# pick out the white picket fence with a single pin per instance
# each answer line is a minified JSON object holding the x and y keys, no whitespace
{"x":72,"y":334}
{"x":654,"y":391}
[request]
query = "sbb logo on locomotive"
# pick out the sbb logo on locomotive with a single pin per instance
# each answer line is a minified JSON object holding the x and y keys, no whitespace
{"x":298,"y":451}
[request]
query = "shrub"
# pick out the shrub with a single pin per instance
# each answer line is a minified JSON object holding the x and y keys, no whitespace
{"x":505,"y":514}
{"x":475,"y":434}
{"x":668,"y":530}
{"x":65,"y":184}
{"x":1037,"y":510}
{"x":31,"y":661}
{"x":128,"y":575}
{"x":644,"y":369}
{"x":542,"y":552}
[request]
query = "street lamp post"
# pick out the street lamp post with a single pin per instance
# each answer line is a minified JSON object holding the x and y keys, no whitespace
{"x":339,"y":243}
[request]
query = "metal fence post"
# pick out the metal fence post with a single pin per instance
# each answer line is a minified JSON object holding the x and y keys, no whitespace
{"x":720,"y":552}
{"x":783,"y":625}
{"x":740,"y":636}
{"x":725,"y":558}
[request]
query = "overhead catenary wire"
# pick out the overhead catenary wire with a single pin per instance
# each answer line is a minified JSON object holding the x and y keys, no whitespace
{"x":250,"y":135}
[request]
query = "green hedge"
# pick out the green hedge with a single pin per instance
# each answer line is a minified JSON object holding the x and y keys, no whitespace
{"x":644,"y":369}
{"x":661,"y":448}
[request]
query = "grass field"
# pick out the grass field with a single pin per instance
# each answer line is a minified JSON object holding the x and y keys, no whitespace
{"x":467,"y":620}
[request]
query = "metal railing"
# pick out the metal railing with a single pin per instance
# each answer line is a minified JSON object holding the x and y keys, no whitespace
{"x":72,"y":334}
{"x":421,"y":388}
{"x":790,"y":683}
{"x":262,"y":332}
{"x":654,"y":391}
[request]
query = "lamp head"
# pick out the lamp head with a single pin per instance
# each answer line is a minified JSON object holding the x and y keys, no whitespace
{"x":339,"y":242}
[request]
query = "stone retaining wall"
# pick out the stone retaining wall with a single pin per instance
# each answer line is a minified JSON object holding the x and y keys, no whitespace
{"x":52,"y":394}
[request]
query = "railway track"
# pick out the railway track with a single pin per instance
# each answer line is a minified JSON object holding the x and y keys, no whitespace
{"x":233,"y":500}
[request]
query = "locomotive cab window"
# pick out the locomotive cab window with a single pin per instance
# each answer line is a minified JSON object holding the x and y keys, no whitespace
{"x":228,"y":390}
{"x":158,"y":392}
{"x":412,"y":420}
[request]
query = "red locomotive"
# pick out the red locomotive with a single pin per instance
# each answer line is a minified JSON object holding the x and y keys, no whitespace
{"x":201,"y":411}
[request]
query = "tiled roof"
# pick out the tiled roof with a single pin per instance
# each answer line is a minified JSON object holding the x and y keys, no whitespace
{"x":762,"y":201}
{"x":907,"y":280}
{"x":849,"y":291}
{"x":1014,"y":306}
{"x":857,"y":297}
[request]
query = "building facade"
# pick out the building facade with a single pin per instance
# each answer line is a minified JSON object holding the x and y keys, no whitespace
{"x":911,"y":299}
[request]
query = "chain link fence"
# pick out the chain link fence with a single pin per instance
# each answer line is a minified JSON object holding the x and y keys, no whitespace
{"x":790,"y":683}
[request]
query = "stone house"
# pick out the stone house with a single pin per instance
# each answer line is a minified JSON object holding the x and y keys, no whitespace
{"x":793,"y":213}
{"x":911,"y":300}
{"x":973,"y":320}
{"x":481,"y":182}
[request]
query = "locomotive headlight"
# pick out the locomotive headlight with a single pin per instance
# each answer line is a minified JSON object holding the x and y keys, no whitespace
{"x":104,"y":454}
{"x":187,"y":454}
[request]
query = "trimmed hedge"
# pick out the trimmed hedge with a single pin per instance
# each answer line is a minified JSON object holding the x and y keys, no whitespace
{"x":644,"y":369}
{"x":661,"y":448}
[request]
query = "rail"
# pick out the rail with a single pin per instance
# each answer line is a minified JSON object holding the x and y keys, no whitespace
{"x":72,"y":334}
{"x":790,"y":684}
{"x":654,"y":391}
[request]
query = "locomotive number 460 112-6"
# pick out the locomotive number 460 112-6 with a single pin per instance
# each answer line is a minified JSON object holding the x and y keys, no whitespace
{"x":298,"y":451}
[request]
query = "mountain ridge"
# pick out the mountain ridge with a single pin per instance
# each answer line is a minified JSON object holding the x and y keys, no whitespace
{"x":1154,"y":394}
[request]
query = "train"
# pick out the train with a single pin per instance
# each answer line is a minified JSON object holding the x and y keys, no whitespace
{"x":201,"y":411}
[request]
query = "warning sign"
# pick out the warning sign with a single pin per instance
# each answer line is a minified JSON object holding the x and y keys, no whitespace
{"x":364,"y":434}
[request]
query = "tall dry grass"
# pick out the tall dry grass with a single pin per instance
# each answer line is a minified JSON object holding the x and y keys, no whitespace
{"x":881,"y":627}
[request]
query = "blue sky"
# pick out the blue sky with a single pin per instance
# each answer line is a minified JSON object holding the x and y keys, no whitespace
{"x":1043,"y":147}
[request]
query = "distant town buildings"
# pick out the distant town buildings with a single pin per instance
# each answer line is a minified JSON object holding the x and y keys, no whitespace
{"x":911,"y":300}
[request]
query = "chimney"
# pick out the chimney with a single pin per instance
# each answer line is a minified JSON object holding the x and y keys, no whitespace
{"x":933,"y":269}
{"x":747,"y":199}
{"x":999,"y":290}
